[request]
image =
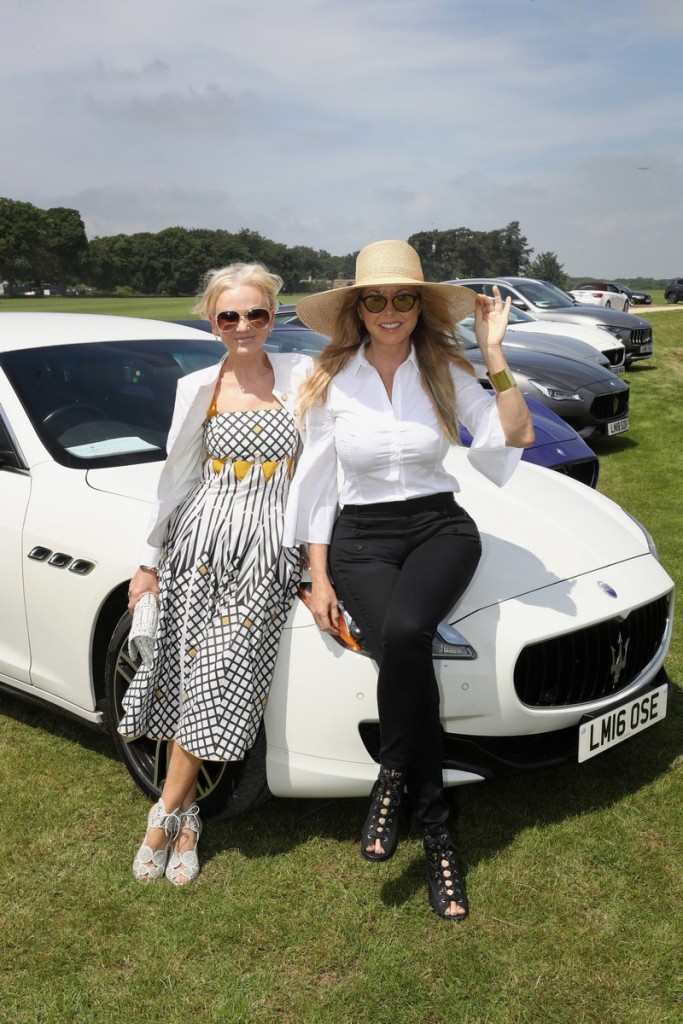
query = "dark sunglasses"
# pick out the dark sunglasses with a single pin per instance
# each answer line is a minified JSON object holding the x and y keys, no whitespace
{"x":403,"y":302}
{"x":229,"y":318}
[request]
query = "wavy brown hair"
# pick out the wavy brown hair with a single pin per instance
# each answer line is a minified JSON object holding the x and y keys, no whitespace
{"x":436,"y":346}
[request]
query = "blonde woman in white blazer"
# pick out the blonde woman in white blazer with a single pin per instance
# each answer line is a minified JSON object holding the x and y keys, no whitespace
{"x":214,"y":557}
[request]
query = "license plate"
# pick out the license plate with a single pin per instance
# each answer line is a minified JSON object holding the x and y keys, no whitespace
{"x":645,"y":349}
{"x":622,"y":722}
{"x":617,"y":426}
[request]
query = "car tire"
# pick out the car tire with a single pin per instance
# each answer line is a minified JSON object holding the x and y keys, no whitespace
{"x":225,"y":789}
{"x":672,"y":297}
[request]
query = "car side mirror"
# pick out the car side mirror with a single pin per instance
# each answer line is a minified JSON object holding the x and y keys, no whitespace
{"x":519,"y":303}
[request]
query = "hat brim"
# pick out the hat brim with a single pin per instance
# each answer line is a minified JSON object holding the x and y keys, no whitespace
{"x":320,"y":311}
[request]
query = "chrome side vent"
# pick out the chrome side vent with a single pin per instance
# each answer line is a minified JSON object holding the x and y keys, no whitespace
{"x":39,"y":554}
{"x":59,"y":560}
{"x":81,"y":567}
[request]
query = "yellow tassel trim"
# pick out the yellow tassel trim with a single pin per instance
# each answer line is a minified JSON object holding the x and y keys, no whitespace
{"x":242,"y":466}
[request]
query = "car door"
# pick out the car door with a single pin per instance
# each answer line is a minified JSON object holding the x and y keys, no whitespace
{"x":15,"y":491}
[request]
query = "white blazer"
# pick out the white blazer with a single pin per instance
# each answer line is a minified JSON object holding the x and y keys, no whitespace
{"x":182,"y":469}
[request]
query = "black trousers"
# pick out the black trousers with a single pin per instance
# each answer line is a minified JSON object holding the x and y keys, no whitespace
{"x":399,"y":567}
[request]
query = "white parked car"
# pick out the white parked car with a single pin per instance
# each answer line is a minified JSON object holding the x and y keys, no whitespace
{"x":556,"y":650}
{"x":600,"y":293}
{"x":523,"y":324}
{"x":553,"y":336}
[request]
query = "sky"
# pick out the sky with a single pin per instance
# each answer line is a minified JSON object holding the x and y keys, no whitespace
{"x":333,"y":124}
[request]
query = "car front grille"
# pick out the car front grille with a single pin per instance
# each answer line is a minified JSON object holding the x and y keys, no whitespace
{"x":586,"y":471}
{"x":615,"y":356}
{"x":593,"y":663}
{"x":641,"y":336}
{"x":606,"y":407}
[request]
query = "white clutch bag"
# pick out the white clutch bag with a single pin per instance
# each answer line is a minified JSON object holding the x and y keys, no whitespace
{"x":143,"y":629}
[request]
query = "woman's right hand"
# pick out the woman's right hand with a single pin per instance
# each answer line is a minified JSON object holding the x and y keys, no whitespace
{"x":324,"y":606}
{"x":144,"y":582}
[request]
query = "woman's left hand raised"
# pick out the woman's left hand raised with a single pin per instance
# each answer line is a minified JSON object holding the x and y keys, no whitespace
{"x":491,"y":320}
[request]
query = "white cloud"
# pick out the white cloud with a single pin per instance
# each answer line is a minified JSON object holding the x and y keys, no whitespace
{"x":329,"y":125}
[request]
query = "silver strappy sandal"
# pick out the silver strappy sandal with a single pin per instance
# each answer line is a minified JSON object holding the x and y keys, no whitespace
{"x":184,"y":867}
{"x":150,"y":864}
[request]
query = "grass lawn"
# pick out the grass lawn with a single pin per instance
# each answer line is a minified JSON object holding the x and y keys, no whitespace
{"x":152,"y":308}
{"x":575,"y":873}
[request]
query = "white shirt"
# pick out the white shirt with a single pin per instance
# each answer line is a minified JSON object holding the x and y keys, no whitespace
{"x":387,"y":449}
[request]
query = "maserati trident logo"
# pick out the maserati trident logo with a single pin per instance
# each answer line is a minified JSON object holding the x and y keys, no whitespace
{"x":606,"y":589}
{"x":619,"y":654}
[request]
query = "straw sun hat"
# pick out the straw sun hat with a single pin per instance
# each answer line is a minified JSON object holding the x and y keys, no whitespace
{"x":382,"y":263}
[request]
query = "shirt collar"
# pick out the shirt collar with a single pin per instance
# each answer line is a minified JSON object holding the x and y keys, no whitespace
{"x":359,"y":359}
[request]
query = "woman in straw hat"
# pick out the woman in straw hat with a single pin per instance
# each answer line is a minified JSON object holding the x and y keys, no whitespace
{"x":383,"y":403}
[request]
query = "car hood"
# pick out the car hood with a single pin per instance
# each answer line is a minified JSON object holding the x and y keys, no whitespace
{"x":548,"y":336}
{"x":594,"y":314}
{"x":553,"y":529}
{"x":554,"y":369}
{"x":555,"y":343}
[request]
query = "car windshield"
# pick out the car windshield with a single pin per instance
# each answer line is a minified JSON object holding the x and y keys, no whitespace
{"x":106,"y":403}
{"x":286,"y":338}
{"x":544,"y":295}
{"x":466,"y":335}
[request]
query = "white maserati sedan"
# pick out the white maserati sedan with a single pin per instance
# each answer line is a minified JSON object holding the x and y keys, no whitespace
{"x":556,"y":650}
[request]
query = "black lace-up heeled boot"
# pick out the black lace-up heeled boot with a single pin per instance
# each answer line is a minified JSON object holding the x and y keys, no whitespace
{"x":446,"y":884}
{"x":382,"y":822}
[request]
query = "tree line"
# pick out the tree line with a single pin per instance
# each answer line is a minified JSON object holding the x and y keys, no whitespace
{"x":50,"y":247}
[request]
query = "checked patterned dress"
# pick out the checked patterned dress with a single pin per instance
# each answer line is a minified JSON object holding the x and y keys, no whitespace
{"x":226,"y":587}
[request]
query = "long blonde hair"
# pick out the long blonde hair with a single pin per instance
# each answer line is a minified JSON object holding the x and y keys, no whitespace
{"x":436,"y":346}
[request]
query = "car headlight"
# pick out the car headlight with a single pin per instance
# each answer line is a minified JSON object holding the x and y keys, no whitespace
{"x":618,"y":332}
{"x":648,"y":536}
{"x":554,"y":392}
{"x":448,"y":643}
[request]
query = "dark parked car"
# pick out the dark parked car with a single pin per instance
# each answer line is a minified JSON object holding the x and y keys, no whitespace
{"x":547,"y":302}
{"x":286,"y":314}
{"x":635,"y":297}
{"x":284,"y":338}
{"x":674,"y":290}
{"x":589,"y":398}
